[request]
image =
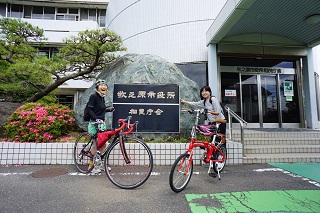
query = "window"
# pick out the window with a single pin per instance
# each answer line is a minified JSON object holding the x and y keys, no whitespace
{"x":67,"y":14}
{"x":27,"y":11}
{"x":102,"y":18}
{"x":15,"y":11}
{"x":196,"y":72}
{"x":3,"y":9}
{"x":92,"y":14}
{"x":49,"y":13}
{"x":66,"y":100}
{"x":37,"y":12}
{"x":47,"y":51}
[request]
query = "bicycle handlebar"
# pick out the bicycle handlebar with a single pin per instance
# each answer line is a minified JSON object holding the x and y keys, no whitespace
{"x":123,"y":122}
{"x":192,"y":111}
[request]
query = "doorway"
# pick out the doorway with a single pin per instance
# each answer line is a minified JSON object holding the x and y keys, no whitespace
{"x":263,"y":100}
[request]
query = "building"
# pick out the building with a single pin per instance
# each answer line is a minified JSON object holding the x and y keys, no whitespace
{"x":259,"y":57}
{"x":59,"y":19}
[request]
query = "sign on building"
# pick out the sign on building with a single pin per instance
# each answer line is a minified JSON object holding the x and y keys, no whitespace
{"x":154,"y":106}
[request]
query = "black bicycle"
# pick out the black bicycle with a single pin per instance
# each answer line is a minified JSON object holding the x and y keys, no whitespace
{"x":128,"y":160}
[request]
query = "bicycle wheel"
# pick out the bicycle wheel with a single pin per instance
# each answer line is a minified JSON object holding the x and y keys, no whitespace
{"x":82,"y":153}
{"x":220,"y":165}
{"x":181,"y":172}
{"x":137,"y":171}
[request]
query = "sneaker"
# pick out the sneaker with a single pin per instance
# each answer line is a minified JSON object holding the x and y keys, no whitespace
{"x":96,"y":170}
{"x":101,"y":167}
{"x":213,"y":174}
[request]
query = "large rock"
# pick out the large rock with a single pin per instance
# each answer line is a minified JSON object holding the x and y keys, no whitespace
{"x":135,"y":68}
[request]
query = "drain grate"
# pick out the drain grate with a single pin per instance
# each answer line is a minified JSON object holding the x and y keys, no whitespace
{"x":52,"y":172}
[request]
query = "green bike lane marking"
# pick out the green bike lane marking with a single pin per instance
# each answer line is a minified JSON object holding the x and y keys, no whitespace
{"x":256,"y":201}
{"x":308,"y":170}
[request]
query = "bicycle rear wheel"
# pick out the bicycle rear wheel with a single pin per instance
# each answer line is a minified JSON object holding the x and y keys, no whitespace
{"x":134,"y":173}
{"x":82,"y":153}
{"x":181,"y":172}
{"x":220,"y":165}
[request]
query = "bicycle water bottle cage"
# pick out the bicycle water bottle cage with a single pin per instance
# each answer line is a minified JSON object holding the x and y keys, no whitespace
{"x":206,"y":130}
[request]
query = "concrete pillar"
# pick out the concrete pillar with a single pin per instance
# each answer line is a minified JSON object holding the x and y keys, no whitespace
{"x":309,"y":90}
{"x":213,"y":70}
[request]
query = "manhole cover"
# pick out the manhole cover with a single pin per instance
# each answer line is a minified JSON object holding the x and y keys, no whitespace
{"x":52,"y":172}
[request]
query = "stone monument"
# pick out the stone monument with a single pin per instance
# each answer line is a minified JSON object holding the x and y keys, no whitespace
{"x":136,"y":68}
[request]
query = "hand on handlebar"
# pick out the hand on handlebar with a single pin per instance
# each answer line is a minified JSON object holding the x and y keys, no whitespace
{"x":110,"y":109}
{"x":188,"y":110}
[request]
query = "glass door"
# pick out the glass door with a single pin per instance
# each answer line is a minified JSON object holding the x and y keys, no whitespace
{"x":260,"y":100}
{"x":269,"y":97}
{"x":250,"y":100}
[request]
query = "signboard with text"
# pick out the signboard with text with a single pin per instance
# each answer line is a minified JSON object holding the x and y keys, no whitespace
{"x":154,"y":106}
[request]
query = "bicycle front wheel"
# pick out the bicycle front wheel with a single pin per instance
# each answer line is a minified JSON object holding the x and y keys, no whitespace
{"x":128,"y":175}
{"x":82,"y":153}
{"x":181,"y":172}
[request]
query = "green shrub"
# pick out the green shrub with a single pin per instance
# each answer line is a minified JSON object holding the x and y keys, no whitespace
{"x":35,"y":122}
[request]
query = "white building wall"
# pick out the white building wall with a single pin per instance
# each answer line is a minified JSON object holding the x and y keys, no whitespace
{"x":316,"y":58}
{"x":172,"y":29}
{"x":57,"y":30}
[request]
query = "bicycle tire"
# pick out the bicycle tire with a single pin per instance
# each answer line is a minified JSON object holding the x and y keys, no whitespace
{"x":128,"y":175}
{"x":220,"y":166}
{"x":82,"y":153}
{"x":178,"y":179}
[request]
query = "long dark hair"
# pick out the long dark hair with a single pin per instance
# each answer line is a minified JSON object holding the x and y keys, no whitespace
{"x":206,"y":88}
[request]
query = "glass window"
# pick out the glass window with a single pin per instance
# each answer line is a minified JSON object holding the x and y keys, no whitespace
{"x":196,"y":72}
{"x":27,"y":11}
{"x":37,"y":12}
{"x":16,"y":11}
{"x":62,"y":10}
{"x":102,"y":18}
{"x":43,"y":51}
{"x":3,"y":9}
{"x":230,"y":82}
{"x":70,"y":18}
{"x":49,"y":13}
{"x":60,"y":17}
{"x":289,"y":105}
{"x":84,"y":14}
{"x":92,"y":14}
{"x":73,"y":11}
{"x":67,"y":100}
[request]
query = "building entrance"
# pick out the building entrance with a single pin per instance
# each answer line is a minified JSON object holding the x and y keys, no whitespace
{"x":263,"y":100}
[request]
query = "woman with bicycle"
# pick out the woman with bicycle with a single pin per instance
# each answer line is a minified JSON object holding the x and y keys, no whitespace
{"x":96,"y":110}
{"x":211,"y":103}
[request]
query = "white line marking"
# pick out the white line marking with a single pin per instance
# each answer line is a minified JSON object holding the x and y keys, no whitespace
{"x":288,"y":173}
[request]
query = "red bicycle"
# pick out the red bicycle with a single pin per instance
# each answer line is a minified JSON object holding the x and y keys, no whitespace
{"x":128,"y":160}
{"x":215,"y":154}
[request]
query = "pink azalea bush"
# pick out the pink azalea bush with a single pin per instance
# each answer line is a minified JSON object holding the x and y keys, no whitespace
{"x":35,"y":122}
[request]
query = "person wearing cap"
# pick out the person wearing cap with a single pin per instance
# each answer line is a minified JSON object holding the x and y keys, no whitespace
{"x":97,"y":110}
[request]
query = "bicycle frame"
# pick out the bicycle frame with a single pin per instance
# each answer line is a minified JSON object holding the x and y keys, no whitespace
{"x":119,"y":133}
{"x":208,"y":146}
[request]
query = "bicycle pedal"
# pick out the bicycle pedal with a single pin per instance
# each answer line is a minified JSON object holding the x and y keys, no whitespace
{"x":212,"y":174}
